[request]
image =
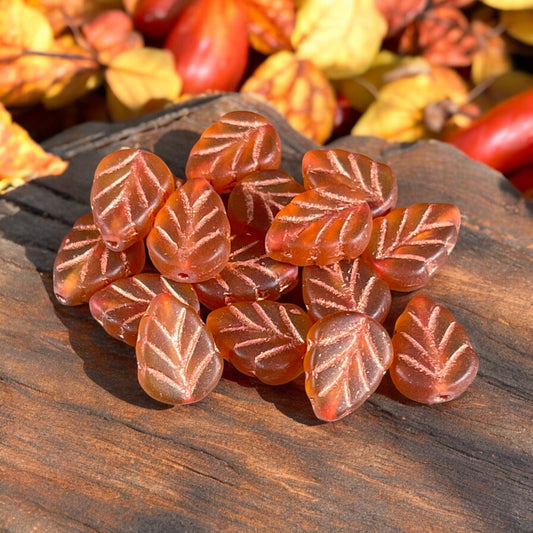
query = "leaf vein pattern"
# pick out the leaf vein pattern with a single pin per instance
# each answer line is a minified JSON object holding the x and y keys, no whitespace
{"x":69,"y":263}
{"x":168,"y":239}
{"x":295,"y":335}
{"x":329,"y":288}
{"x":161,"y":354}
{"x":269,"y":323}
{"x":244,"y":322}
{"x":76,"y":245}
{"x":121,"y":164}
{"x":117,"y":182}
{"x":272,"y":352}
{"x":197,"y":372}
{"x":192,"y":346}
{"x":205,"y":239}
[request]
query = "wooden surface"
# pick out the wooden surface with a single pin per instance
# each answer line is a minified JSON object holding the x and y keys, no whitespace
{"x":82,"y":448}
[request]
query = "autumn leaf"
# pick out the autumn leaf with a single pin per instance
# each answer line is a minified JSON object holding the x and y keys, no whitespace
{"x":298,"y":90}
{"x":492,"y":59}
{"x":141,"y":80}
{"x":347,"y":285}
{"x":442,"y":35}
{"x":119,"y":306}
{"x":110,"y":34}
{"x":69,"y":77}
{"x":519,"y":24}
{"x":23,"y":27}
{"x":255,"y":200}
{"x":35,"y":67}
{"x":399,"y":111}
{"x":361,"y":90}
{"x":270,"y":24}
{"x":341,"y":39}
{"x":409,"y":244}
{"x":84,"y":264}
{"x":190,"y":239}
{"x":238,"y":143}
{"x":375,"y":181}
{"x":399,"y":14}
{"x":21,"y":159}
{"x":320,"y":226}
{"x":129,"y":187}
{"x":249,"y":275}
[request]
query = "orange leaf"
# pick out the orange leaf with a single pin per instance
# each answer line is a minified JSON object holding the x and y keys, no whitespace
{"x":264,"y":339}
{"x":34,"y":64}
{"x":21,"y":159}
{"x":442,"y":35}
{"x":23,"y":28}
{"x":270,"y":24}
{"x":375,"y":181}
{"x":239,"y":143}
{"x":399,"y":113}
{"x":141,"y":80}
{"x":110,"y":34}
{"x":399,"y":14}
{"x":341,"y":38}
{"x":298,"y":90}
{"x":410,"y":244}
{"x":434,"y":361}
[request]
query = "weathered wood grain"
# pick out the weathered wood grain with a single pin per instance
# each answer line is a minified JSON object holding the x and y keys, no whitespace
{"x":82,"y":448}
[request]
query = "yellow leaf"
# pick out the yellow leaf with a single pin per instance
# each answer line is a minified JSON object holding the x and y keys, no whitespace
{"x":509,"y":4}
{"x":72,"y":78}
{"x":31,"y":66}
{"x":492,"y":59}
{"x":23,"y":28}
{"x":21,"y":159}
{"x":298,"y":90}
{"x":342,"y":38}
{"x":140,"y":79}
{"x":398,"y":113}
{"x":519,"y":24}
{"x":361,"y":90}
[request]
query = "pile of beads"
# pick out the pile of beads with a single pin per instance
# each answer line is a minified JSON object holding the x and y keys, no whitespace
{"x":235,"y":241}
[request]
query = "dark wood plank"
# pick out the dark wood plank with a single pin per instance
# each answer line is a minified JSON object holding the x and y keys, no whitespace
{"x":82,"y":448}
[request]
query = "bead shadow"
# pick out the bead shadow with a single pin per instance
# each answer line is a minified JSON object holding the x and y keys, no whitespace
{"x":110,"y":363}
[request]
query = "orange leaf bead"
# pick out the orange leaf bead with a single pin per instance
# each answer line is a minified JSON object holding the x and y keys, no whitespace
{"x":434,"y":361}
{"x":177,"y":359}
{"x":129,"y":187}
{"x":240,"y":142}
{"x":84,"y":264}
{"x":320,"y":226}
{"x":190,"y":240}
{"x":410,"y":244}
